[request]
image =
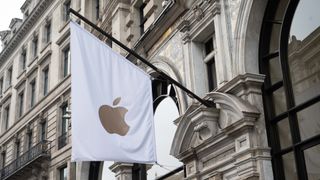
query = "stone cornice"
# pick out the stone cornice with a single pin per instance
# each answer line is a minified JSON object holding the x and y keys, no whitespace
{"x":24,"y":29}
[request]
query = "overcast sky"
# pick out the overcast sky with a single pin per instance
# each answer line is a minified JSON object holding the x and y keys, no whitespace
{"x":164,"y":115}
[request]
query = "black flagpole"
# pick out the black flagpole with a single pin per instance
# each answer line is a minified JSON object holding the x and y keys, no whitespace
{"x":165,"y":76}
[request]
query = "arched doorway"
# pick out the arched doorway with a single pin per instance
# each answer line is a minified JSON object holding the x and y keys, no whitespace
{"x":290,"y":59}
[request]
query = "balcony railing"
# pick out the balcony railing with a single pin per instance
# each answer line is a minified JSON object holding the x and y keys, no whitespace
{"x":62,"y":140}
{"x":42,"y":149}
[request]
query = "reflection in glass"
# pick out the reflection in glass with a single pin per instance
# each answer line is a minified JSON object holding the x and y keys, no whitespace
{"x":275,"y":70}
{"x":308,"y":120}
{"x":304,"y":51}
{"x":289,"y":165}
{"x":279,"y":100}
{"x":284,"y":133}
{"x":274,"y":40}
{"x":312,"y":157}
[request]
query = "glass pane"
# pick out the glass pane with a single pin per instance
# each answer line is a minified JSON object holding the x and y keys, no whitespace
{"x":304,"y":51}
{"x":275,"y":70}
{"x":289,"y":166}
{"x":282,"y":6}
{"x":284,"y":133}
{"x":308,"y":120}
{"x":312,"y":157}
{"x":274,"y":40}
{"x":279,"y":101}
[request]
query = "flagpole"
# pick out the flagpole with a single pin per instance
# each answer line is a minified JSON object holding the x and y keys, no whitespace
{"x":207,"y":103}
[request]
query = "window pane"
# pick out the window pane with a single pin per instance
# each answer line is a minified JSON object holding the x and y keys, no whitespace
{"x":279,"y":101}
{"x":284,"y":133}
{"x":282,"y":6}
{"x":274,"y":40}
{"x":289,"y":166}
{"x":312,"y":157}
{"x":304,"y":51}
{"x":275,"y":70}
{"x":308,"y":120}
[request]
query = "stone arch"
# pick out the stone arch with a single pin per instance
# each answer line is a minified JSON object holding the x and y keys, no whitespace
{"x":165,"y":65}
{"x":247,"y":35}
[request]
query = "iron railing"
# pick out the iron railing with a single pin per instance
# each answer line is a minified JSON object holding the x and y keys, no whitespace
{"x":39,"y":150}
{"x":62,"y":140}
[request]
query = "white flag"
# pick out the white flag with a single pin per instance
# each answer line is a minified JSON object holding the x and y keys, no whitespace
{"x":112,"y":110}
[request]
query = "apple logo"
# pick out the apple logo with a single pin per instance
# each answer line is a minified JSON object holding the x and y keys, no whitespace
{"x":112,"y":118}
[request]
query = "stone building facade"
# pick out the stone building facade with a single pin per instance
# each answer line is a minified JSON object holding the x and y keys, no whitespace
{"x":250,"y":57}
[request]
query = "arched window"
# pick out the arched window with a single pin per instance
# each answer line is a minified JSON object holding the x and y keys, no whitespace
{"x":290,"y":59}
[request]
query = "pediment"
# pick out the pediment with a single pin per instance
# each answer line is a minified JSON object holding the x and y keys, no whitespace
{"x":200,"y":123}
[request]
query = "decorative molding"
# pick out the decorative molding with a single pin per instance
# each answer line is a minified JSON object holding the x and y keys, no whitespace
{"x":24,"y":29}
{"x":216,"y":8}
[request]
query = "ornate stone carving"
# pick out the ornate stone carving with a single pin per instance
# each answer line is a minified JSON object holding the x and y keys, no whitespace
{"x":198,"y":12}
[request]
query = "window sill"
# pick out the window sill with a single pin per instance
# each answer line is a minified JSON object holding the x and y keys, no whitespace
{"x":45,"y":47}
{"x":64,"y":25}
{"x":33,"y":60}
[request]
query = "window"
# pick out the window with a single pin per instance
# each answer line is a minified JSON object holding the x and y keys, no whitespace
{"x":6,"y":116}
{"x":35,"y":46}
{"x":32,"y":92}
{"x":45,"y":73}
{"x":289,"y":57}
{"x":23,"y":59}
{"x":64,"y":127}
{"x":47,"y":32}
{"x":66,"y":61}
{"x":142,"y":18}
{"x":97,"y":10}
{"x":3,"y":159}
{"x":43,"y":126}
{"x":29,"y":134}
{"x":9,"y":77}
{"x":17,"y":149}
{"x":63,"y":173}
{"x":66,"y":10}
{"x":21,"y":103}
{"x":1,"y":86}
{"x":210,"y":64}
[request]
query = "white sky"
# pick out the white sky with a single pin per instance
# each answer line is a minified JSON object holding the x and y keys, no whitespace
{"x":164,"y":115}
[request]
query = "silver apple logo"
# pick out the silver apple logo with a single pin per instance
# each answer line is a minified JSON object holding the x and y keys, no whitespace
{"x":112,"y":118}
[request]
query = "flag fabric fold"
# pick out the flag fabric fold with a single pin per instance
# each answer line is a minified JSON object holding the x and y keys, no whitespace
{"x":112,"y":108}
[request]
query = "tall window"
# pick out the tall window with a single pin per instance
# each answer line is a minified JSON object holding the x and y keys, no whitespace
{"x":47,"y":30}
{"x":63,"y":173}
{"x":62,"y":140}
{"x":3,"y":159}
{"x":97,"y":10}
{"x":9,"y":77}
{"x":210,"y":63}
{"x":17,"y":148}
{"x":66,"y":61}
{"x":30,"y":139}
{"x":32,"y":92}
{"x":143,"y":19}
{"x":6,"y":116}
{"x":289,"y":57}
{"x":35,"y":46}
{"x":21,"y":103}
{"x":1,"y":85}
{"x":43,"y":127}
{"x":45,"y":81}
{"x":66,"y":10}
{"x":23,"y":59}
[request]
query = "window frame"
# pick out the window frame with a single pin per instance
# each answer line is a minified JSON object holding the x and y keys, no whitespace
{"x":272,"y":119}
